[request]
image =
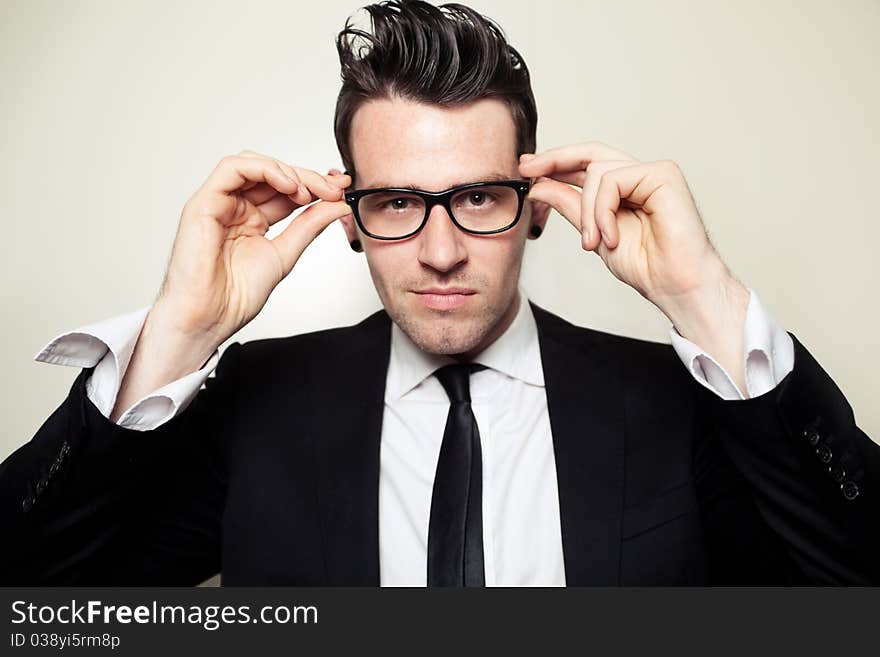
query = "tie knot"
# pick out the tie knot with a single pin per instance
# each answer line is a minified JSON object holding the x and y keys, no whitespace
{"x":455,"y":379}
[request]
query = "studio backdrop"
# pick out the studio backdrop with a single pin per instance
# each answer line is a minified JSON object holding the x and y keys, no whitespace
{"x":114,"y":113}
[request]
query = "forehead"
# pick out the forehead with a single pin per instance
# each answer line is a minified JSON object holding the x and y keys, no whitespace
{"x":397,"y":142}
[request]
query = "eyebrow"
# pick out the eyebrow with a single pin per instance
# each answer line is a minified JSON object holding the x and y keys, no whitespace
{"x":487,"y":178}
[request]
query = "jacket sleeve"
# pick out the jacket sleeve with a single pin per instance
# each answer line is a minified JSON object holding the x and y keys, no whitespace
{"x":88,"y":502}
{"x":788,"y":483}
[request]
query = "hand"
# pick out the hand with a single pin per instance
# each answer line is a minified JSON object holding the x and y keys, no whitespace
{"x":641,"y":219}
{"x":222,"y":267}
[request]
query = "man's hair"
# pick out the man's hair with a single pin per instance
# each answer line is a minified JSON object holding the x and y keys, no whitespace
{"x":447,"y":55}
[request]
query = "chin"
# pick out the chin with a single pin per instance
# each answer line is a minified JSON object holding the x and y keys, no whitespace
{"x":442,"y":333}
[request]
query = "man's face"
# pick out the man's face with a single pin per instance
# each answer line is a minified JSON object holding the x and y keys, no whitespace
{"x":396,"y":143}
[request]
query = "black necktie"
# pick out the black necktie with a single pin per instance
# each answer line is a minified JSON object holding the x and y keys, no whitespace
{"x":455,"y":530}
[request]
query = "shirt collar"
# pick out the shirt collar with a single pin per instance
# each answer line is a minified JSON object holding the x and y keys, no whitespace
{"x":515,"y":353}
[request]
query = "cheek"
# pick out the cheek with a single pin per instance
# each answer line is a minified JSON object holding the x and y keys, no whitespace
{"x":389,"y":264}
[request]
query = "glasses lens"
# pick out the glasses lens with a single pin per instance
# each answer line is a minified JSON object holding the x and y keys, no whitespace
{"x":485,"y":208}
{"x":391,"y":214}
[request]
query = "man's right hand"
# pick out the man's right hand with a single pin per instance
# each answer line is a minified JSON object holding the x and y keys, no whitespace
{"x":222,"y":268}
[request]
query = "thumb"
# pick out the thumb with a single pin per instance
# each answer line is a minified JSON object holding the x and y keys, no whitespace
{"x":560,"y":196}
{"x":304,"y":228}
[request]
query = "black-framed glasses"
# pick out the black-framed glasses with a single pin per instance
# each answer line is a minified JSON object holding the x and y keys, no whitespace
{"x":480,"y":208}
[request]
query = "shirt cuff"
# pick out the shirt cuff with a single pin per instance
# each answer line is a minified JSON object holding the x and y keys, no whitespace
{"x":168,"y":401}
{"x":107,"y":346}
{"x":768,"y":356}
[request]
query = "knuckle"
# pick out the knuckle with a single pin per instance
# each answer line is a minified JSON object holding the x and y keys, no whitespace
{"x":286,"y":168}
{"x":194,"y":206}
{"x":670,"y":165}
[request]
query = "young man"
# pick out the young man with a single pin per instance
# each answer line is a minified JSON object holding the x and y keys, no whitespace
{"x":461,"y":436}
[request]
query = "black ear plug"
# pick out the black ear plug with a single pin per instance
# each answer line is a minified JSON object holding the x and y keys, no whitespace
{"x":536,"y":231}
{"x":356,"y":246}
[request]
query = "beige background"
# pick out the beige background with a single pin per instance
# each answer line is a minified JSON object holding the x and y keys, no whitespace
{"x":113,"y":113}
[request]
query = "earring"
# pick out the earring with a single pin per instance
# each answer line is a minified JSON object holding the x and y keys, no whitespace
{"x":536,"y":231}
{"x":356,"y":246}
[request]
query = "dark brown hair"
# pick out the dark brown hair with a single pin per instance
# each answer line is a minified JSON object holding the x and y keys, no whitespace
{"x":446,"y":55}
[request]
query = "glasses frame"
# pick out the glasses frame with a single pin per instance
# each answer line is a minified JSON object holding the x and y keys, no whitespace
{"x":443,"y":198}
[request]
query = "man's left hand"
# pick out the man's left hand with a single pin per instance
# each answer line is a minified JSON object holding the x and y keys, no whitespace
{"x":641,"y":219}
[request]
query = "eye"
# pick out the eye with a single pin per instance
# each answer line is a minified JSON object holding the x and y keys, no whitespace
{"x":480,"y":198}
{"x":399,"y":203}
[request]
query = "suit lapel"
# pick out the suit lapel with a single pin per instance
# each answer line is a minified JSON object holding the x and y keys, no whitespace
{"x":585,"y":403}
{"x":347,"y":450}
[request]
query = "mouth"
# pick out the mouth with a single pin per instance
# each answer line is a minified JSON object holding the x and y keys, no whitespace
{"x":444,"y":298}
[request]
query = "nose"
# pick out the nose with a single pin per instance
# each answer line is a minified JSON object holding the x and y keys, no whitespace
{"x":442,"y":242}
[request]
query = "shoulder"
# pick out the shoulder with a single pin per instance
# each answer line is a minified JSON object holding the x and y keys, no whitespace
{"x":624,"y":348}
{"x":649,"y":371}
{"x":326,"y":346}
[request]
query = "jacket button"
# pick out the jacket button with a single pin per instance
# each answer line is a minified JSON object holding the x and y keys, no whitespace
{"x":41,"y":486}
{"x":54,"y":467}
{"x":838,"y":472}
{"x":850,"y":490}
{"x":27,"y":503}
{"x":812,"y":436}
{"x":824,"y":453}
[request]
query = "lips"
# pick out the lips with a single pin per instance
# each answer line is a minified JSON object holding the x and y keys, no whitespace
{"x":446,"y":290}
{"x":447,"y":298}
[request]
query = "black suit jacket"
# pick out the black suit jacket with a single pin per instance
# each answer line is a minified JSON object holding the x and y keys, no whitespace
{"x":272,"y":473}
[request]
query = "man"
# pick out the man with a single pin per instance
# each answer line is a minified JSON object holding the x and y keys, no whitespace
{"x":461,"y":436}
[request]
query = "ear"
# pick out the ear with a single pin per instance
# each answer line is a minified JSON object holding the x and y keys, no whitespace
{"x":350,"y":228}
{"x":540,"y":212}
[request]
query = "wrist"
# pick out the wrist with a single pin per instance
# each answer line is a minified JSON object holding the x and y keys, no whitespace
{"x":710,"y":309}
{"x":175,"y":321}
{"x":162,"y":354}
{"x":175,"y":351}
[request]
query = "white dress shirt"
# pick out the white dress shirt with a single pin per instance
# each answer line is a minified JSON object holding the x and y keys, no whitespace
{"x":522,"y":536}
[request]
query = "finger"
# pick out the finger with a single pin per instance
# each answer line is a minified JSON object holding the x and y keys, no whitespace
{"x":277,"y":208}
{"x":305,"y":227}
{"x":314,"y":186}
{"x":328,"y":188}
{"x":284,"y":166}
{"x":570,"y":158}
{"x":591,"y":231}
{"x":338,"y":180}
{"x":634,"y":183}
{"x":260,"y":193}
{"x":235,"y":172}
{"x":574,"y":178}
{"x":562,"y":198}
